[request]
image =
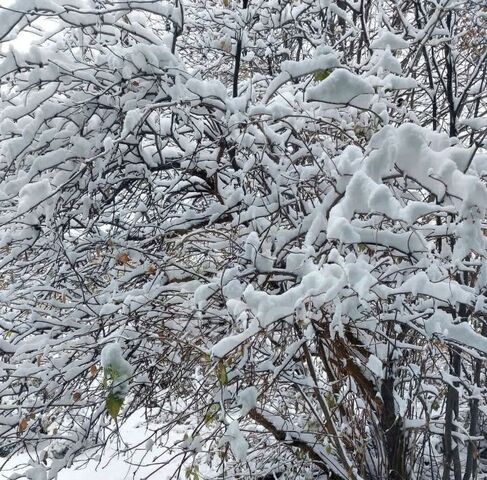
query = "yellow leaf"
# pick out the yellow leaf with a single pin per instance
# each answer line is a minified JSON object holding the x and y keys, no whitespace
{"x":211,"y":413}
{"x":113,"y":405}
{"x":205,"y":358}
{"x":320,"y":75}
{"x":192,"y":473}
{"x":221,"y":373}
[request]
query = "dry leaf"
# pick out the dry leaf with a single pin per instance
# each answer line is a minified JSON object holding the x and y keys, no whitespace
{"x":123,"y":258}
{"x":93,"y":370}
{"x":23,"y":424}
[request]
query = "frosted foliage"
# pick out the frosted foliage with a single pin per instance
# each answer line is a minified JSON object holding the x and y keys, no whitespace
{"x":113,"y":362}
{"x":257,"y":229}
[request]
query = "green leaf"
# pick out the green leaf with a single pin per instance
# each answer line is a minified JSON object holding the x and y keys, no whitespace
{"x":211,"y":413}
{"x":221,"y":373}
{"x":113,"y":405}
{"x":109,"y":373}
{"x":112,"y":373}
{"x":320,"y":75}
{"x":192,"y":473}
{"x":362,"y":247}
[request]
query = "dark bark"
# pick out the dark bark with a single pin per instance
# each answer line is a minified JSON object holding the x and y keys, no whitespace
{"x":471,"y":465}
{"x":393,"y":432}
{"x":238,"y":56}
{"x":451,"y":454}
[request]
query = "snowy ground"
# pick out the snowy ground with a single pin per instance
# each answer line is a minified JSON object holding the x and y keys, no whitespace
{"x":113,"y":467}
{"x":117,"y":467}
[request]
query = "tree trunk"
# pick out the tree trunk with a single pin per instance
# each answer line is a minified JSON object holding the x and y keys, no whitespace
{"x":393,"y":432}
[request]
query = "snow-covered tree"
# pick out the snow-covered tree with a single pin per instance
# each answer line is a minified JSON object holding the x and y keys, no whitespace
{"x":265,"y":220}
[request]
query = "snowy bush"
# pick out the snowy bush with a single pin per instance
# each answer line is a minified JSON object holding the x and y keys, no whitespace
{"x":265,"y":220}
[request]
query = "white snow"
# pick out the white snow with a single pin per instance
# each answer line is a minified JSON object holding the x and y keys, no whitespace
{"x":131,"y":121}
{"x":109,"y":308}
{"x":442,"y":324}
{"x":113,"y":464}
{"x":33,"y":193}
{"x":375,"y":366}
{"x":478,"y":123}
{"x":234,"y":437}
{"x":247,"y":399}
{"x":341,"y":88}
{"x":205,"y":89}
{"x":293,"y":70}
{"x":384,"y":61}
{"x":387,"y":39}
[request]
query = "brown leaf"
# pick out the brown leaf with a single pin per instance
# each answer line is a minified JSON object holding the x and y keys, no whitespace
{"x":76,"y":396}
{"x":23,"y":424}
{"x":123,"y":258}
{"x":151,"y":270}
{"x":93,"y":370}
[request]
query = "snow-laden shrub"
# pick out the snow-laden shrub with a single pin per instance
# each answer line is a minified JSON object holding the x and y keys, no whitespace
{"x":264,"y":220}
